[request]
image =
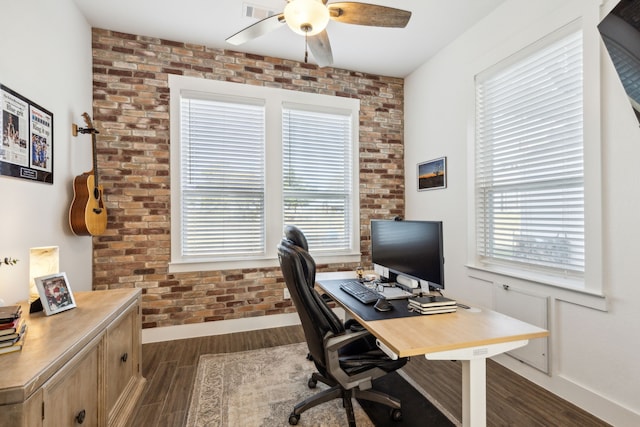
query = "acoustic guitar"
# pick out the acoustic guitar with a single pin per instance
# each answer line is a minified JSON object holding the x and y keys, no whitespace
{"x":88,"y":214}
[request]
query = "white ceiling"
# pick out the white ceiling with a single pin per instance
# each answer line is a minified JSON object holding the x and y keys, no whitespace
{"x":383,"y":51}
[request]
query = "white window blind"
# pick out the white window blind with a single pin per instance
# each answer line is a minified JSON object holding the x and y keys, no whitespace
{"x":317,"y":176}
{"x":529,"y":161}
{"x":223,"y":179}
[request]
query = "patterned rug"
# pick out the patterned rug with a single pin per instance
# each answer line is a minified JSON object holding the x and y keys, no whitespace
{"x":260,"y":388}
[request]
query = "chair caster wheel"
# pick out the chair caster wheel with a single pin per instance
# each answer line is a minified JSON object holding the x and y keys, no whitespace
{"x":293,"y":419}
{"x":396,"y":415}
{"x":312,"y":383}
{"x":309,"y":356}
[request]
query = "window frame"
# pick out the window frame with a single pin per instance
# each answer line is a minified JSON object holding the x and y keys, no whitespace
{"x":331,"y":195}
{"x":201,"y":180}
{"x":517,"y":207}
{"x":589,"y":290}
{"x":273,"y":99}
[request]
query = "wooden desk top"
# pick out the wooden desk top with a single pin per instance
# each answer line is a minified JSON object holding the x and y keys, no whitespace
{"x":419,"y":335}
{"x":412,"y":336}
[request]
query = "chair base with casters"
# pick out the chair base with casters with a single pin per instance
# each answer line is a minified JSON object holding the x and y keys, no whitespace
{"x":359,"y":383}
{"x":336,"y":392}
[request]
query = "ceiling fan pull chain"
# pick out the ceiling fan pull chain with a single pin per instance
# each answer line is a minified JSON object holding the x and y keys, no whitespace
{"x":306,"y":48}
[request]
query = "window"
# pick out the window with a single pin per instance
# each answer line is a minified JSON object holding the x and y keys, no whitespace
{"x":529,"y":177}
{"x":222,"y":150}
{"x":246,"y":161}
{"x":317,"y":175}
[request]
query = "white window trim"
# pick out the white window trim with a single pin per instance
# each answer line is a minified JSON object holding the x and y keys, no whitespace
{"x":274,"y":99}
{"x":590,"y":291}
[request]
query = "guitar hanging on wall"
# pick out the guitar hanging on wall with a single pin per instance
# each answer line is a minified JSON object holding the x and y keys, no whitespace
{"x":88,"y":214}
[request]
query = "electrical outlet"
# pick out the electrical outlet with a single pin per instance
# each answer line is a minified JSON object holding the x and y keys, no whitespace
{"x":286,"y":295}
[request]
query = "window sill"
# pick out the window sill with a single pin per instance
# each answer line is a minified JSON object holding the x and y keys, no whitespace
{"x":194,"y":266}
{"x":248,"y":263}
{"x":561,"y":290}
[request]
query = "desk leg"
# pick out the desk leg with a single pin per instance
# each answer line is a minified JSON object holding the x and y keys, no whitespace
{"x":474,"y":377}
{"x":474,"y":393}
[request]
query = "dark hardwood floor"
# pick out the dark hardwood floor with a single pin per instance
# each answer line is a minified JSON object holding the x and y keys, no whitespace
{"x":170,"y":368}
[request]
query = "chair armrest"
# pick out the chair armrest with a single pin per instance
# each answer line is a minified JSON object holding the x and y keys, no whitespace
{"x":334,"y":343}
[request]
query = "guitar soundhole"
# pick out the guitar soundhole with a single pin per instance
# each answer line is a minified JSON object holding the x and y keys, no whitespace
{"x":96,"y":193}
{"x":97,"y":210}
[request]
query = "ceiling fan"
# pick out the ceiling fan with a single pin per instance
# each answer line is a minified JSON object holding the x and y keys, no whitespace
{"x":310,"y":18}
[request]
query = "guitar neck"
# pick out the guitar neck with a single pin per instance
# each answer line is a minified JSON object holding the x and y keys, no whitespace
{"x":95,"y":158}
{"x":93,"y":131}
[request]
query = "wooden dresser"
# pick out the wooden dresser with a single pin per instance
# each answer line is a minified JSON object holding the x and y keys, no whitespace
{"x":78,"y":367}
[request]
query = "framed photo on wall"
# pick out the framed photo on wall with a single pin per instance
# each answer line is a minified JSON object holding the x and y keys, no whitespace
{"x":432,"y":174}
{"x":55,"y":293}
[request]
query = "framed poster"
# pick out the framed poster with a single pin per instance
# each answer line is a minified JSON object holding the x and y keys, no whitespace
{"x":432,"y":174}
{"x":26,"y":149}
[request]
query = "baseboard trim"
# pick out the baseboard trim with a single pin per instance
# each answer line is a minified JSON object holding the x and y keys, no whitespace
{"x":559,"y":384}
{"x":196,"y":330}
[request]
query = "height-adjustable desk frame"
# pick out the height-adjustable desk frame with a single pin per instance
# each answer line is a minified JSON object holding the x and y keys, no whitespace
{"x":469,"y":335}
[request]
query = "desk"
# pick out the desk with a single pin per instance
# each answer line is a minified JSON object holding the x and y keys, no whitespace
{"x":469,"y":335}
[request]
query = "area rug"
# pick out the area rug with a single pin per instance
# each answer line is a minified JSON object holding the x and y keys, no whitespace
{"x":259,"y":388}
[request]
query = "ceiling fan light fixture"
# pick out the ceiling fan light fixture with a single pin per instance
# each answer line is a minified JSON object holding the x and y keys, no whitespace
{"x":306,"y":17}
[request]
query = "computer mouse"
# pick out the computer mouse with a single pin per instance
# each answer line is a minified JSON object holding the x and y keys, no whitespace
{"x":383,"y":305}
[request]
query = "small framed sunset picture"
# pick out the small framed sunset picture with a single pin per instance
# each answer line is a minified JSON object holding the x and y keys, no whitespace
{"x":432,"y":174}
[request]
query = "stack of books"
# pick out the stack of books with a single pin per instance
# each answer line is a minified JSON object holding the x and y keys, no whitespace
{"x":432,"y":304}
{"x":13,"y":329}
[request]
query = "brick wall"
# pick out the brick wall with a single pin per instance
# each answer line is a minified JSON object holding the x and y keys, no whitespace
{"x":131,"y":111}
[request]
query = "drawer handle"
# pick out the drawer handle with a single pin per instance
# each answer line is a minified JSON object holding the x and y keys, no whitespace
{"x":81,"y":416}
{"x":124,"y":357}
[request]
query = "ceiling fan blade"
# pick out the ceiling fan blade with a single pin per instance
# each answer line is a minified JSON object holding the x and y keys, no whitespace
{"x":258,"y":29}
{"x":368,"y":14}
{"x":321,"y":48}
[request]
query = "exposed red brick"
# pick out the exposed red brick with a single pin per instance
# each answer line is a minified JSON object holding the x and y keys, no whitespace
{"x":131,"y":110}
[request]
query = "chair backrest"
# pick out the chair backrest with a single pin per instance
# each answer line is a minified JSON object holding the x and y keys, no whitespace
{"x":296,"y":236}
{"x":317,"y":318}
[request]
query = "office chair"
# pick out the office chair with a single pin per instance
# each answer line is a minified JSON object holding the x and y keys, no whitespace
{"x":347,"y":361}
{"x":297,"y":237}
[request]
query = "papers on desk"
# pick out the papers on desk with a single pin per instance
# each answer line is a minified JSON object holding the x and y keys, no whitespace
{"x":432,"y":304}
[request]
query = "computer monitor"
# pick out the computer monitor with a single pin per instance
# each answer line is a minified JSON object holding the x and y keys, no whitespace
{"x":410,"y":249}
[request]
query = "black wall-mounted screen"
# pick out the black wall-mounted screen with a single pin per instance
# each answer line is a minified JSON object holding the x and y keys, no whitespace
{"x":620,"y":31}
{"x":409,"y":248}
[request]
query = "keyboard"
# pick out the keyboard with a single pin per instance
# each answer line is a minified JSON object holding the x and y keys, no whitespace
{"x":360,"y":292}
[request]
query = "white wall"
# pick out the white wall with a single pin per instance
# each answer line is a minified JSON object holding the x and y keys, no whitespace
{"x":46,"y":57}
{"x":593,"y":352}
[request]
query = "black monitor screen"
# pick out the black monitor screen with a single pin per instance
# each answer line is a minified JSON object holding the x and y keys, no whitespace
{"x":409,"y":248}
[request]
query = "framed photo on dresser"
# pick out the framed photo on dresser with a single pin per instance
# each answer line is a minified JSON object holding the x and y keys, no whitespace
{"x":55,"y":293}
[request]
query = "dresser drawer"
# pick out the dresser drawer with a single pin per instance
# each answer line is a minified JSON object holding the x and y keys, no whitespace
{"x":28,"y":413}
{"x":120,"y":357}
{"x":71,"y":396}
